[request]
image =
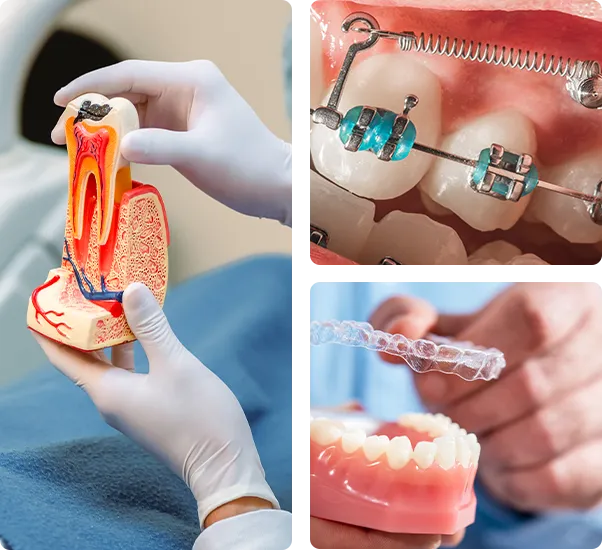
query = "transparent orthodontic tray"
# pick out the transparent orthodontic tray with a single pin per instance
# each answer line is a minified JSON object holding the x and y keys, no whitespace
{"x":463,"y":359}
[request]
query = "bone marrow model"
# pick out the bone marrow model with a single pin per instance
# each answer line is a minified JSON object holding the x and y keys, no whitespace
{"x":116,"y":233}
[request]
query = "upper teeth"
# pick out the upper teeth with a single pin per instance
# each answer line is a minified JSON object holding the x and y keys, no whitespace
{"x":382,"y":81}
{"x":452,"y":446}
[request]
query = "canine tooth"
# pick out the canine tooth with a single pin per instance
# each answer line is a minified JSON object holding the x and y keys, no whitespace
{"x":446,"y":452}
{"x":324,"y":431}
{"x":399,"y":452}
{"x":566,"y":216}
{"x":353,"y":440}
{"x":382,"y":81}
{"x":424,"y":453}
{"x":447,"y":182}
{"x":463,"y":452}
{"x":346,"y":218}
{"x":438,"y":244}
{"x":374,"y":446}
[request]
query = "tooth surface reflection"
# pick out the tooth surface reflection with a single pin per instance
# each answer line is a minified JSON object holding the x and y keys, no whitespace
{"x":381,"y":81}
{"x":567,"y":216}
{"x":346,"y":218}
{"x":413,"y":239}
{"x":447,"y":182}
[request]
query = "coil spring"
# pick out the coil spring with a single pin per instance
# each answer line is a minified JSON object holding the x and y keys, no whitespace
{"x":499,"y":56}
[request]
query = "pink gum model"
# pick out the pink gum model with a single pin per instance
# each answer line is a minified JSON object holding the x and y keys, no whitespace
{"x":414,"y":476}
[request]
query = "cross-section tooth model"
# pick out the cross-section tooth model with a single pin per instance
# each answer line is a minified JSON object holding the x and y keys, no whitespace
{"x":116,"y":233}
{"x":415,"y":475}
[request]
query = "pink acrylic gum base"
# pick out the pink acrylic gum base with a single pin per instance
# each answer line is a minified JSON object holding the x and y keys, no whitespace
{"x":347,"y":488}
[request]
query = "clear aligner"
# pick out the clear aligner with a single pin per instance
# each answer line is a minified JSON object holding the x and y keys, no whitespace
{"x":463,"y":359}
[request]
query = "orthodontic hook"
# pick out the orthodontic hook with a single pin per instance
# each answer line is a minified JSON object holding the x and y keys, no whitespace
{"x":584,"y":78}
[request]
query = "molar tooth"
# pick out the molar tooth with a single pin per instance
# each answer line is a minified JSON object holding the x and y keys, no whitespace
{"x":375,"y":446}
{"x":463,"y":453}
{"x":381,"y":81}
{"x":447,"y":182}
{"x":399,"y":452}
{"x":424,"y":454}
{"x":438,"y":244}
{"x":324,"y":431}
{"x":446,"y":452}
{"x":353,"y":440}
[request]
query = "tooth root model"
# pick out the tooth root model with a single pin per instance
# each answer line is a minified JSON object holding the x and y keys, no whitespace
{"x":116,"y":233}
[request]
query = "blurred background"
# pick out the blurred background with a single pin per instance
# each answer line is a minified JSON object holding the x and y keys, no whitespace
{"x":46,"y":43}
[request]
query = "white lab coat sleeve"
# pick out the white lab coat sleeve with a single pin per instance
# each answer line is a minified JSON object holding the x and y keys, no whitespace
{"x":261,"y":530}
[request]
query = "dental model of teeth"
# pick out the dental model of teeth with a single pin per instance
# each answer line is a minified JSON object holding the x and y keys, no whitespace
{"x":415,"y":475}
{"x":463,"y":359}
{"x":116,"y":233}
{"x":365,"y":143}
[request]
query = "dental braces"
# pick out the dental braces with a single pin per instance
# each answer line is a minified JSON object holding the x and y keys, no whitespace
{"x":391,"y":136}
{"x":464,"y":359}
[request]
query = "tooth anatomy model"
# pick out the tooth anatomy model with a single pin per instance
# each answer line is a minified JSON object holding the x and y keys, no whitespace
{"x":116,"y":233}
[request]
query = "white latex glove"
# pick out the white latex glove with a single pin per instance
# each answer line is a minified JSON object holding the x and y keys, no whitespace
{"x":194,"y":120}
{"x":180,"y":411}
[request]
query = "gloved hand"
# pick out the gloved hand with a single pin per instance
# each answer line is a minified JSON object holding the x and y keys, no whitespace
{"x":180,"y":411}
{"x":193,"y":119}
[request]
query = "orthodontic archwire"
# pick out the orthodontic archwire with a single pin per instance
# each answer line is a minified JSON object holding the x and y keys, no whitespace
{"x":391,"y":136}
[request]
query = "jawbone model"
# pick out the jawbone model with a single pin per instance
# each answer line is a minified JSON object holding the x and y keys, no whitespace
{"x":116,"y":233}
